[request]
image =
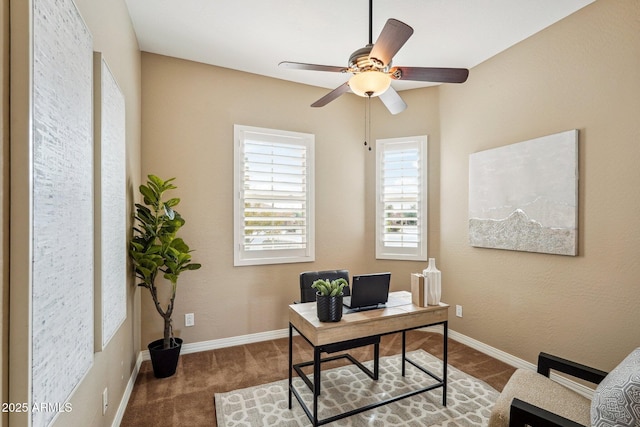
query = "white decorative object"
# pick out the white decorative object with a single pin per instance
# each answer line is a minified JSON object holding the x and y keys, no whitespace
{"x":524,"y":196}
{"x":62,"y":322}
{"x":432,"y":283}
{"x":110,"y":203}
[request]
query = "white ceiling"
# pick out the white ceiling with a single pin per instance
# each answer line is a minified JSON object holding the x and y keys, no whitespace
{"x":255,"y":35}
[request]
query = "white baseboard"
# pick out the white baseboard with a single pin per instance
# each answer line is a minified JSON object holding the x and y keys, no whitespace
{"x":519,"y":363}
{"x":127,"y":392}
{"x":227,"y":342}
{"x":491,"y":351}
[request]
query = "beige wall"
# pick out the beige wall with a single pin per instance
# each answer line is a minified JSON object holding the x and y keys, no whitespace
{"x":113,"y":35}
{"x":189,"y":113}
{"x":581,"y":73}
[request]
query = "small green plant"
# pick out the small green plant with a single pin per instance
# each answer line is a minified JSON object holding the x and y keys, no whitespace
{"x":329,"y":288}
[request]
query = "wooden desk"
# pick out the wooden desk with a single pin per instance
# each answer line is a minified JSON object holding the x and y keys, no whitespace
{"x":399,"y":316}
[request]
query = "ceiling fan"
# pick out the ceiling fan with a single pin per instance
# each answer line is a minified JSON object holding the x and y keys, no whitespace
{"x":372,"y":68}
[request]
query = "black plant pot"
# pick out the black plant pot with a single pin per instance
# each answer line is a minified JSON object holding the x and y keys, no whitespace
{"x":164,"y":361}
{"x":329,"y":308}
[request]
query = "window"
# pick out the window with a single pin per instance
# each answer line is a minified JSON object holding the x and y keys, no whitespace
{"x":274,"y":200}
{"x":401,"y":198}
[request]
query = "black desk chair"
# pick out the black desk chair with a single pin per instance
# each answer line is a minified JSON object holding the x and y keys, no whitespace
{"x":308,"y":294}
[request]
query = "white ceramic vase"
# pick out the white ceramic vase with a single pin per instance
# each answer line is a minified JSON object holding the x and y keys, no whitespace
{"x":432,"y":283}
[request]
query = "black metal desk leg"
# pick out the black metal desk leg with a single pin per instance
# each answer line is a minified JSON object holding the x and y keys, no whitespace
{"x":376,"y":359}
{"x":316,"y":383}
{"x":290,"y":362}
{"x":445,"y":335}
{"x":404,"y":350}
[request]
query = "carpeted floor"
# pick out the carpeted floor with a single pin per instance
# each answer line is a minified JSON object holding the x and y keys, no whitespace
{"x":186,"y":399}
{"x":469,"y":400}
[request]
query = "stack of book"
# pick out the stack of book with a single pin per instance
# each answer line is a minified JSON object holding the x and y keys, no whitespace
{"x":418,"y":291}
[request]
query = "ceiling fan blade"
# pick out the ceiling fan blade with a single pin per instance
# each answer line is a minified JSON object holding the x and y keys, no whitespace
{"x":344,"y":88}
{"x":393,"y":36}
{"x":430,"y":74}
{"x":312,"y":67}
{"x":392,"y":101}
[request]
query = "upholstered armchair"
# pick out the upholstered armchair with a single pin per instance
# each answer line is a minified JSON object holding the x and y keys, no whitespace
{"x":532,"y":399}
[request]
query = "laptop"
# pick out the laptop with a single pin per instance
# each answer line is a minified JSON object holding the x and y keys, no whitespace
{"x":368,"y":291}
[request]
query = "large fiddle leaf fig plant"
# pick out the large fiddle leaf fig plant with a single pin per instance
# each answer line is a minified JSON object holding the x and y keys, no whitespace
{"x":155,"y":247}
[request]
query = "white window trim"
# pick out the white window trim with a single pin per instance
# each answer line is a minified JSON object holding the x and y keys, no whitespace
{"x":245,"y":258}
{"x":409,"y":254}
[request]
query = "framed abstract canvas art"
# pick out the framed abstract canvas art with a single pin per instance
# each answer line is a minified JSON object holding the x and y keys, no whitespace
{"x":524,"y":196}
{"x":110,"y":203}
{"x":62,"y":340}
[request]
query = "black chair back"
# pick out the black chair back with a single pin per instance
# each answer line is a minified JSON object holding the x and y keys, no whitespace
{"x":308,"y":294}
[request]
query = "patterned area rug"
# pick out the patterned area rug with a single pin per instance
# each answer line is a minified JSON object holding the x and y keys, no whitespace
{"x":469,"y":400}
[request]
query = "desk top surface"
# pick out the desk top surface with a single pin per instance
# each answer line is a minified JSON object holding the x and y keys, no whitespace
{"x":401,"y":314}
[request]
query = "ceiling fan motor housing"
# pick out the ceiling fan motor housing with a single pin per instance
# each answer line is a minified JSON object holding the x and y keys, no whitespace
{"x":359,"y":61}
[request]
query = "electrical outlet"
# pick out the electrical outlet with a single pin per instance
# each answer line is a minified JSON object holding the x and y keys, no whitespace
{"x":105,"y":401}
{"x":459,"y":310}
{"x":189,"y":319}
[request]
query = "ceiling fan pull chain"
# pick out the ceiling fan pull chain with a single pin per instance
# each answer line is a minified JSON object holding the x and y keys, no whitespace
{"x":366,"y":136}
{"x":369,"y":108}
{"x":367,"y":122}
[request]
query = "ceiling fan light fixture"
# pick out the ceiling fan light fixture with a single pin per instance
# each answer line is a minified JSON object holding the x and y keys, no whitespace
{"x":369,"y":83}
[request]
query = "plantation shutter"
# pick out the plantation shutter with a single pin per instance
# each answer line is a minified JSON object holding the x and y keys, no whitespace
{"x":401,"y":193}
{"x":274,"y":219}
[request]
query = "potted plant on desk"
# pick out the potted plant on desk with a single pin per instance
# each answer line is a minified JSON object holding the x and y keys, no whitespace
{"x":156,"y":248}
{"x":329,"y":299}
